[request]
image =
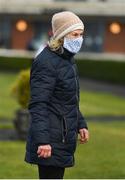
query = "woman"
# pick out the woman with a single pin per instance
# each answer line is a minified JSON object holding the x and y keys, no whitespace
{"x":54,"y":104}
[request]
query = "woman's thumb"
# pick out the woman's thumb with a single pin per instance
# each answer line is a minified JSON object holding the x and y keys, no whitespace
{"x":39,"y":150}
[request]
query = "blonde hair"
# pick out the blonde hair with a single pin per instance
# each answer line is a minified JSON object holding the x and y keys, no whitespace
{"x":55,"y":44}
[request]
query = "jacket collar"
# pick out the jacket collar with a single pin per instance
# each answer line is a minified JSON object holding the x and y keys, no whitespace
{"x":65,"y":55}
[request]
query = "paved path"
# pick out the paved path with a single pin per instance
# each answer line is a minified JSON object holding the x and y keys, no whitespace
{"x":8,"y":134}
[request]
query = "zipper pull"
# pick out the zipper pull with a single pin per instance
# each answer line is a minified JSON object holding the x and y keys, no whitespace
{"x":63,"y":140}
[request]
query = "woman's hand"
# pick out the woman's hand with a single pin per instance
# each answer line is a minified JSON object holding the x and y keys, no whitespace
{"x":44,"y":151}
{"x":84,"y":135}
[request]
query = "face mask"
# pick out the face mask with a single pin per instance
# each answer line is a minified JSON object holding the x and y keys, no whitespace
{"x":73,"y":45}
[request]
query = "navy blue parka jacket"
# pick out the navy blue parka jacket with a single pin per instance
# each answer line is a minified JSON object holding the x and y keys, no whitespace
{"x":55,"y":117}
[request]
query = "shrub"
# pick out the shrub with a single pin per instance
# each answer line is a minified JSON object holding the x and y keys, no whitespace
{"x":14,"y":63}
{"x":21,"y":88}
{"x":103,"y":70}
{"x":109,"y":71}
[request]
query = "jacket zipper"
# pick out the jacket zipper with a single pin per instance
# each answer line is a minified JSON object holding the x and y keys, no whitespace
{"x":64,"y":129}
{"x":64,"y":124}
{"x":76,"y":91}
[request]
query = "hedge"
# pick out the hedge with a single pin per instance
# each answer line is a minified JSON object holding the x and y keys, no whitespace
{"x":14,"y":64}
{"x":109,"y":71}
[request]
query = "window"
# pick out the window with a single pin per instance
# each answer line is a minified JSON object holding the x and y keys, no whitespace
{"x":41,"y":36}
{"x":5,"y":33}
{"x":93,"y":40}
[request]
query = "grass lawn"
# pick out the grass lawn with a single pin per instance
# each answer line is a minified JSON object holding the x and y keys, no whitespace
{"x":102,"y":157}
{"x":91,"y":103}
{"x":99,"y":103}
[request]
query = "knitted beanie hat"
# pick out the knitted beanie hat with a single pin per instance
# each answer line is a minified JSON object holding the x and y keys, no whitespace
{"x":65,"y":22}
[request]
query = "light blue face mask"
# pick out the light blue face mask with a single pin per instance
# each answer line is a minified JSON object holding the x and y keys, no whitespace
{"x":73,"y":45}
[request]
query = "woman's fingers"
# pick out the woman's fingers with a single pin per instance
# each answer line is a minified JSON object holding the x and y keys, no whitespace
{"x":84,"y":135}
{"x":49,"y":154}
{"x":44,"y":151}
{"x":44,"y":154}
{"x":39,"y":150}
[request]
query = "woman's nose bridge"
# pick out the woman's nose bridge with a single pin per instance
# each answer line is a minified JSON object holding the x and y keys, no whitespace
{"x":79,"y":35}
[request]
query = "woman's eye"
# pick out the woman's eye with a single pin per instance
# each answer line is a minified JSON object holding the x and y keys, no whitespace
{"x":75,"y":35}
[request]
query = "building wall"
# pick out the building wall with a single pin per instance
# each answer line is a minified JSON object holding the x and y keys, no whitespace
{"x":97,"y":38}
{"x":114,"y":42}
{"x":20,"y":39}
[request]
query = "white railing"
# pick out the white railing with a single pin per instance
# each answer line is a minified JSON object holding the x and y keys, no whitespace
{"x":32,"y":2}
{"x":96,"y":1}
{"x":81,"y":56}
{"x":24,"y":3}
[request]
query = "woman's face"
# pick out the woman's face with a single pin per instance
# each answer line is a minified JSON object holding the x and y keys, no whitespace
{"x":75,"y":34}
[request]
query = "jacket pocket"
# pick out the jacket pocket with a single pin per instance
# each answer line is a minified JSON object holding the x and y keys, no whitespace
{"x":64,"y":129}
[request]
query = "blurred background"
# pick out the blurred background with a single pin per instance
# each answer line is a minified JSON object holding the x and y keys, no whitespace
{"x":27,"y":24}
{"x":25,"y":28}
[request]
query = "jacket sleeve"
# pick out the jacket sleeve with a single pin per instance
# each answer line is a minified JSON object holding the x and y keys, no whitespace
{"x":81,"y":121}
{"x":42,"y":83}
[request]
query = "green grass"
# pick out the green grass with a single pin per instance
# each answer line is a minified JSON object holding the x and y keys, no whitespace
{"x":6,"y":125}
{"x":91,"y":103}
{"x":102,"y":157}
{"x":100,"y":103}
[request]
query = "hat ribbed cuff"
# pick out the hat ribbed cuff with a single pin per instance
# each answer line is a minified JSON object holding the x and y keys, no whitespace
{"x":73,"y":27}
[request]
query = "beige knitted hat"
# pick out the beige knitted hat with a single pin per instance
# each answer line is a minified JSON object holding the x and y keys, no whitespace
{"x":65,"y":22}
